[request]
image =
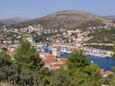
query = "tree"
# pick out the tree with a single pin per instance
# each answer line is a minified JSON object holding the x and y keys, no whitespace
{"x":112,"y":82}
{"x":26,"y":54}
{"x":5,"y":58}
{"x":77,"y":60}
{"x":82,"y":72}
{"x":32,"y":72}
{"x":59,"y":78}
{"x":92,"y":70}
{"x":26,"y":70}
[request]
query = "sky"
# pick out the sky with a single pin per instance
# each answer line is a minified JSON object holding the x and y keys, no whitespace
{"x":37,"y":8}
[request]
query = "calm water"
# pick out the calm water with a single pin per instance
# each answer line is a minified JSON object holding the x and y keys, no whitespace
{"x":103,"y":63}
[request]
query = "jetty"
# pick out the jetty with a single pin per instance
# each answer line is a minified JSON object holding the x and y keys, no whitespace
{"x":97,"y":52}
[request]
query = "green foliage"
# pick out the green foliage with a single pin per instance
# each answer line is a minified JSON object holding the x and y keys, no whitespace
{"x":91,"y":70}
{"x":103,"y":47}
{"x":102,"y":35}
{"x":26,"y":55}
{"x":82,"y":72}
{"x":113,"y":69}
{"x":76,"y":61}
{"x":27,"y":70}
{"x":5,"y":58}
{"x":112,"y":82}
{"x":39,"y":38}
{"x":14,"y":74}
{"x":60,"y":78}
{"x":9,"y":73}
{"x":32,"y":72}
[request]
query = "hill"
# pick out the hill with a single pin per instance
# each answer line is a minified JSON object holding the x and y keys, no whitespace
{"x":67,"y":19}
{"x":1,"y":25}
{"x":14,"y":20}
{"x":100,"y":29}
{"x":112,"y":17}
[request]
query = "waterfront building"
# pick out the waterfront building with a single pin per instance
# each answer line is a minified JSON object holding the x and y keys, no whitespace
{"x":56,"y":50}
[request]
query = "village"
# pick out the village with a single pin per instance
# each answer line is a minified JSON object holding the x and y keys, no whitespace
{"x":53,"y":47}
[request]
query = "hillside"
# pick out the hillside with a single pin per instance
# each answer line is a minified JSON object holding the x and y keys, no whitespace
{"x":14,"y":20}
{"x":112,"y":17}
{"x":1,"y":25}
{"x":66,"y":20}
{"x":102,"y":30}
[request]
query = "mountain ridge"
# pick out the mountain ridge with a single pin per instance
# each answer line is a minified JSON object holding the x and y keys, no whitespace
{"x":61,"y":19}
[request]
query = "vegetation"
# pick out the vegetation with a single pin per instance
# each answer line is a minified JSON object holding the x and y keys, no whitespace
{"x":39,"y":38}
{"x":83,"y":73}
{"x":27,"y":70}
{"x":102,"y":35}
{"x":66,"y":20}
{"x":103,"y":47}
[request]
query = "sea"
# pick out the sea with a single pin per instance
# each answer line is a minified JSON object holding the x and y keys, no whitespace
{"x":105,"y":63}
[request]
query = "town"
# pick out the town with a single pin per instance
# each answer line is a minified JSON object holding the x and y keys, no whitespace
{"x":53,"y":46}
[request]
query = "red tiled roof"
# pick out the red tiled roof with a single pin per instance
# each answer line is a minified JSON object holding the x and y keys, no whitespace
{"x":56,"y":46}
{"x":52,"y":60}
{"x":51,"y":57}
{"x":108,"y":73}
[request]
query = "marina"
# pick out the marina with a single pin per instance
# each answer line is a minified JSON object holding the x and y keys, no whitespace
{"x":103,"y":62}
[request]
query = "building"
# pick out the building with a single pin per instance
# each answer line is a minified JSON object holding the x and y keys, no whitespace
{"x":56,"y":50}
{"x":51,"y":61}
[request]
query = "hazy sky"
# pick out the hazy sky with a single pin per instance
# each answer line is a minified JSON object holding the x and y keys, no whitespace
{"x":37,"y":8}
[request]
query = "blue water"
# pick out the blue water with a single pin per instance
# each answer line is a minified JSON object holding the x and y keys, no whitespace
{"x":47,"y":50}
{"x":103,"y":63}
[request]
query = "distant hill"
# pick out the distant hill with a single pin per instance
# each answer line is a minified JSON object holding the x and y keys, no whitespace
{"x":1,"y":25}
{"x":68,"y":19}
{"x":112,"y":17}
{"x":14,"y":20}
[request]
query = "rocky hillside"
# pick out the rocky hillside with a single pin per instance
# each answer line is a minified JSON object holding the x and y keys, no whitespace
{"x":67,"y":20}
{"x":100,"y":29}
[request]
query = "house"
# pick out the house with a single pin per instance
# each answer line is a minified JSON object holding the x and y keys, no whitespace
{"x":56,"y":50}
{"x":106,"y":73}
{"x":51,"y":61}
{"x":57,"y":64}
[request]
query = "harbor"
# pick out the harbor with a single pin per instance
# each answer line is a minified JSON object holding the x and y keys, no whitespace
{"x":100,"y":57}
{"x":97,"y":52}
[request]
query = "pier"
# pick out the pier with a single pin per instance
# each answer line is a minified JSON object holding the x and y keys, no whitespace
{"x":97,"y":52}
